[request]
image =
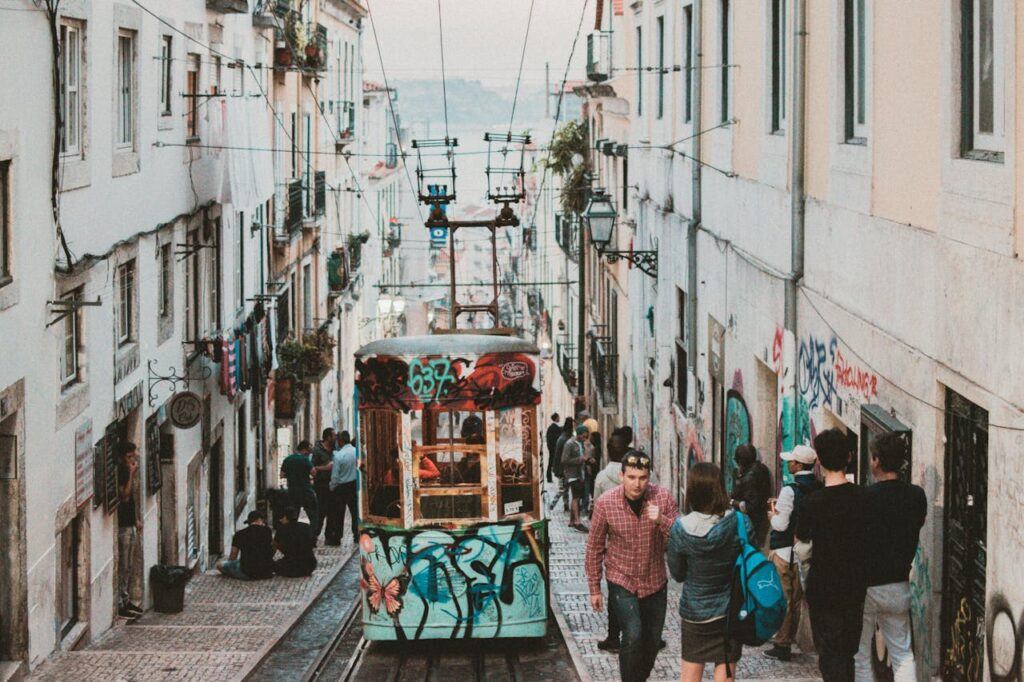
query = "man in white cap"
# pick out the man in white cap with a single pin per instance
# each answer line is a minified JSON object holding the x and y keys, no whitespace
{"x":783,"y":518}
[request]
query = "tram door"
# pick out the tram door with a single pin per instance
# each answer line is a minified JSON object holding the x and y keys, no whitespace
{"x":963,"y":580}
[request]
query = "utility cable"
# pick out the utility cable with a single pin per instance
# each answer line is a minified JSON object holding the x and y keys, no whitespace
{"x":444,"y":85}
{"x":522,"y":59}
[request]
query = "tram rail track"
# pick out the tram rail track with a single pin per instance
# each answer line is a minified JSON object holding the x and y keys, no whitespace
{"x":322,"y":646}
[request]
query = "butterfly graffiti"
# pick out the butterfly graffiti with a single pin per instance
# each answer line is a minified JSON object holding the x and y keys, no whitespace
{"x":389,"y":594}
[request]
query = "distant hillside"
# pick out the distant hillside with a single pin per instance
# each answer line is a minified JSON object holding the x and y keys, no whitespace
{"x":470,"y":103}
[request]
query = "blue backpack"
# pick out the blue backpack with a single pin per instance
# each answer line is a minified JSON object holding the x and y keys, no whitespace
{"x":758,"y":604}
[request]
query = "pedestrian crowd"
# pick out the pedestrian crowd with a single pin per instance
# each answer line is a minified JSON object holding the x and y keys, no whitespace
{"x":321,"y":481}
{"x":839,"y":550}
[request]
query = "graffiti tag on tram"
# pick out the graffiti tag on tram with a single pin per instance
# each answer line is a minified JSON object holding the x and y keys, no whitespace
{"x":430,"y":379}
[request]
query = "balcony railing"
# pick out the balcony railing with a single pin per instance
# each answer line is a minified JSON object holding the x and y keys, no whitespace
{"x":391,"y":155}
{"x":320,"y":192}
{"x":270,"y":13}
{"x":566,"y":355}
{"x":567,"y":235}
{"x":228,"y":6}
{"x":599,"y":56}
{"x":316,"y":48}
{"x":295,"y":206}
{"x":604,"y":362}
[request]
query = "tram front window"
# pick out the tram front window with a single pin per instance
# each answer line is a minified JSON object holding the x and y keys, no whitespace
{"x":448,"y":464}
{"x":517,"y":434}
{"x":381,"y":436}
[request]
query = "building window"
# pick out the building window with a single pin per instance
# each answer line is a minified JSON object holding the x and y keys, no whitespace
{"x":307,"y":297}
{"x":125,"y":88}
{"x":855,"y":57}
{"x":778,"y":42}
{"x":239,"y":257}
{"x":213,"y":274}
{"x":125,"y":301}
{"x":166,"y":64}
{"x":192,"y":288}
{"x":639,"y":71}
{"x":71,"y":87}
{"x":688,"y":64}
{"x":681,"y":359}
{"x":166,"y":280}
{"x":69,"y":370}
{"x":724,"y":66}
{"x":5,"y":217}
{"x":981,"y":79}
{"x":661,"y":66}
{"x":191,"y":98}
{"x":215,"y":76}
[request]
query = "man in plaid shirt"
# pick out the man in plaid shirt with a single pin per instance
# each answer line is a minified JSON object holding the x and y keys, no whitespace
{"x":628,"y":535}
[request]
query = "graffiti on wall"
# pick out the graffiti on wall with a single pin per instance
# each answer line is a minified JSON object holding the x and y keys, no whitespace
{"x":737,"y":432}
{"x":492,"y":381}
{"x":483,"y":581}
{"x":920,"y":595}
{"x":822,"y":370}
{"x":1004,"y":641}
{"x":794,"y":429}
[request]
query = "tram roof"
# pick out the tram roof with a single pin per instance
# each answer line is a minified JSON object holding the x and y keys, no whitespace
{"x":447,"y":344}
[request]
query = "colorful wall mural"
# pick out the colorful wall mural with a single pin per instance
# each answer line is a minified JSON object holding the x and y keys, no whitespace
{"x":482,"y":581}
{"x":492,"y":381}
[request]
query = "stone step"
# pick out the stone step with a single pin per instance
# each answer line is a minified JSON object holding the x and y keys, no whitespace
{"x":11,"y":671}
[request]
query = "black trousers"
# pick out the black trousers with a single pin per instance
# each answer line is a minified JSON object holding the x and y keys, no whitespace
{"x":837,"y":632}
{"x":342,"y":497}
{"x":323,"y":504}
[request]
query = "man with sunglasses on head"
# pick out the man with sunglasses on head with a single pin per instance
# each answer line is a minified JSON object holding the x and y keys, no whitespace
{"x":628,"y":535}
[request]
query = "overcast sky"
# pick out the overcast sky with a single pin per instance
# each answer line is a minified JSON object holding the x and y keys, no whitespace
{"x":483,"y":39}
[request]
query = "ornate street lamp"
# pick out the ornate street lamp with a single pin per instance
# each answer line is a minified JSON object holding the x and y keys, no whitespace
{"x":601,"y":215}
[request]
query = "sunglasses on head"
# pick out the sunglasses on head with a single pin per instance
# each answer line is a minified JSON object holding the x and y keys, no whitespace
{"x":639,"y":461}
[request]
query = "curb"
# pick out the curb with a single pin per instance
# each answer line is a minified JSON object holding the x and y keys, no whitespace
{"x":259,"y":656}
{"x":570,"y":641}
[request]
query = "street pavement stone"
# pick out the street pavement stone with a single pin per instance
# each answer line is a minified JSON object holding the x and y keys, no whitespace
{"x":225,"y":626}
{"x":569,"y":589}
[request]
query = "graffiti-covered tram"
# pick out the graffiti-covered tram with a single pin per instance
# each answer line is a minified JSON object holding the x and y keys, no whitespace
{"x":453,"y":543}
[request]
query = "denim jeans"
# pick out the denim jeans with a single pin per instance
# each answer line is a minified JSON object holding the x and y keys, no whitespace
{"x":836,"y":637}
{"x":641,"y":622}
{"x":232,"y":569}
{"x":888,"y":608}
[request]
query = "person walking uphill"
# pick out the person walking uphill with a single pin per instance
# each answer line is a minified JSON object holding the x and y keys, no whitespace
{"x":607,"y":479}
{"x":800,"y":461}
{"x":575,"y":458}
{"x":702,"y":550}
{"x":896,"y":513}
{"x":627,"y":546}
{"x":752,"y":489}
{"x":834,"y":520}
{"x":297,"y":470}
{"x":321,"y":458}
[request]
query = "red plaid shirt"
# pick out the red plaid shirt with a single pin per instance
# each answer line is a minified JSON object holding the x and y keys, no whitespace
{"x":630,"y":550}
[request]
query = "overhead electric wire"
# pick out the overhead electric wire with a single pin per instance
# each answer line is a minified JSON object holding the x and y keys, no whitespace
{"x":391,"y":106}
{"x":444,"y":84}
{"x":522,"y":59}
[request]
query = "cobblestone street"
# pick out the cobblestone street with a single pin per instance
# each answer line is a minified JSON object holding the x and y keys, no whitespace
{"x":226,"y":627}
{"x":569,"y":591}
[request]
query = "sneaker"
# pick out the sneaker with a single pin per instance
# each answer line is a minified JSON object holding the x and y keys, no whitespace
{"x":609,"y":644}
{"x":581,"y":528}
{"x":137,"y":609}
{"x":126,"y":612}
{"x":779,"y":653}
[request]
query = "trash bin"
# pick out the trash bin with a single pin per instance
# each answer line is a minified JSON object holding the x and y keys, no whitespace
{"x":168,"y":583}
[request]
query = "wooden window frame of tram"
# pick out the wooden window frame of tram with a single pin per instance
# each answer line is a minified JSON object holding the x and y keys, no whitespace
{"x":419,"y":450}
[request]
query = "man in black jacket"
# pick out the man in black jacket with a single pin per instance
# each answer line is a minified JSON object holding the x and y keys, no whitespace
{"x":752,"y":489}
{"x":896,"y":512}
{"x":295,"y":541}
{"x":551,"y":439}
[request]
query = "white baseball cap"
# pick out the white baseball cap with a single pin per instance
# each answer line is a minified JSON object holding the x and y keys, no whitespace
{"x":801,"y":453}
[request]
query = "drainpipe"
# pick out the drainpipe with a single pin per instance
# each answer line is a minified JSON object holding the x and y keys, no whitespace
{"x":796,"y":193}
{"x":694,"y":226}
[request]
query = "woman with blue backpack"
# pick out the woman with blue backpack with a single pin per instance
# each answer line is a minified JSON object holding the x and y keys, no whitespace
{"x":731,"y":593}
{"x":703,"y":547}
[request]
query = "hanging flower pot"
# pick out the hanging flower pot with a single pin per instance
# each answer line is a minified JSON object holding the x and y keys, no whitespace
{"x":282,"y":57}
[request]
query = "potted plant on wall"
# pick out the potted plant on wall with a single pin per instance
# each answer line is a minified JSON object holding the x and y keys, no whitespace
{"x":355,"y":248}
{"x":301,"y":362}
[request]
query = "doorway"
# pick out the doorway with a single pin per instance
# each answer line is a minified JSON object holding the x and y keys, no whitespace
{"x":14,"y":595}
{"x":215,"y":473}
{"x":964,"y":546}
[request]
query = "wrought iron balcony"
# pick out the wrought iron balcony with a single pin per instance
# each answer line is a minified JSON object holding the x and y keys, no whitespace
{"x":567,"y":235}
{"x":566,"y":355}
{"x":228,"y":6}
{"x":316,"y":47}
{"x":599,"y":56}
{"x":270,"y":13}
{"x":604,"y":363}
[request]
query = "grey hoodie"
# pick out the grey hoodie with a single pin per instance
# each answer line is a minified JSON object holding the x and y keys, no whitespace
{"x":607,"y":478}
{"x":702,"y":551}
